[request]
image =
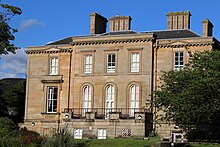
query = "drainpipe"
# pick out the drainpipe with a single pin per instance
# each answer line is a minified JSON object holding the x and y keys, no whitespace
{"x":68,"y":107}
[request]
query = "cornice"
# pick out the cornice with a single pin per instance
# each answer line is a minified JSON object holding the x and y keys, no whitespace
{"x":116,"y":41}
{"x":192,"y":44}
{"x":46,"y":51}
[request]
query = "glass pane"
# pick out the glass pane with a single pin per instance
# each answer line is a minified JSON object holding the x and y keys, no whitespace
{"x":113,"y":58}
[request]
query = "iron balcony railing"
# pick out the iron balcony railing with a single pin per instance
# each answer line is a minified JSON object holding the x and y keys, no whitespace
{"x":102,"y":113}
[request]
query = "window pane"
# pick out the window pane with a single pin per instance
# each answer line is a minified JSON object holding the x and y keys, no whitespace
{"x":178,"y":60}
{"x":88,"y":64}
{"x":111,"y":63}
{"x":53,"y":66}
{"x":135,"y":58}
{"x":52,"y":99}
{"x":134,"y":99}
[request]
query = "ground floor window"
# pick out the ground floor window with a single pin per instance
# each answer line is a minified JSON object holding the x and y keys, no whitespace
{"x":78,"y":133}
{"x":101,"y":134}
{"x":52,"y":99}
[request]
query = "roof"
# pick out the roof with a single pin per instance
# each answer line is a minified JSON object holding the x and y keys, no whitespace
{"x":169,"y":34}
{"x":62,"y":41}
{"x":165,"y":34}
{"x":124,"y":32}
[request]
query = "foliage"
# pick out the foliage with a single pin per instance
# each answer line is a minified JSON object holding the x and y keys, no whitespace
{"x":6,"y":31}
{"x":30,"y":137}
{"x":7,"y":128}
{"x":62,"y":138}
{"x":12,"y":98}
{"x":191,"y":97}
{"x":11,"y":142}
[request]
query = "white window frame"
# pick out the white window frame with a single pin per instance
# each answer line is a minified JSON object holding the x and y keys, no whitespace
{"x":88,"y":63}
{"x":178,"y":60}
{"x":109,"y":99}
{"x":77,"y":133}
{"x":134,"y":98}
{"x":87,"y":99}
{"x":54,"y":65}
{"x":135,"y":62}
{"x":52,"y":95}
{"x":111,"y":65}
{"x":101,"y":134}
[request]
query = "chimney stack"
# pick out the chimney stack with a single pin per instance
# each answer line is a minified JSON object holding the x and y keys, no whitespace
{"x":97,"y":24}
{"x":178,"y":20}
{"x":207,"y":28}
{"x":119,"y":23}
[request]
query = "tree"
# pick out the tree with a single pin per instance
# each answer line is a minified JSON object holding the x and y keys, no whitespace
{"x":6,"y":32}
{"x":12,"y":99}
{"x":191,"y":97}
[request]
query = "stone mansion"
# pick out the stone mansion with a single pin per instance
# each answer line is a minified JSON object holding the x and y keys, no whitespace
{"x":100,"y":85}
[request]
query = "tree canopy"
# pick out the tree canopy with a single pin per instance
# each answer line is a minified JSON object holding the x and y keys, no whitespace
{"x":12,"y":99}
{"x":6,"y":31}
{"x":191,"y":96}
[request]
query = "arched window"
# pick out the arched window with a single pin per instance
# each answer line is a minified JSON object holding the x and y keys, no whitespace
{"x":109,"y":99}
{"x":87,"y":96}
{"x":134,"y":98}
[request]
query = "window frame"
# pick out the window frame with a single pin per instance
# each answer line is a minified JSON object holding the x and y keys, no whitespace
{"x":90,"y":68}
{"x":80,"y":133}
{"x":50,"y":97}
{"x":110,"y":92}
{"x":53,"y":69}
{"x":89,"y":96}
{"x":135,"y":99}
{"x":180,"y":59}
{"x":136,"y":68}
{"x":103,"y":135}
{"x":111,"y":68}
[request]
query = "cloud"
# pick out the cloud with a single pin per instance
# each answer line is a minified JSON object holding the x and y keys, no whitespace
{"x":25,"y":24}
{"x":13,"y":65}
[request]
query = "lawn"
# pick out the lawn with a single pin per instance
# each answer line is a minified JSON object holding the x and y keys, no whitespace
{"x":205,"y":145}
{"x":126,"y":142}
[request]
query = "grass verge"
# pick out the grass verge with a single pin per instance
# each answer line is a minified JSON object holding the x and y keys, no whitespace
{"x":123,"y":142}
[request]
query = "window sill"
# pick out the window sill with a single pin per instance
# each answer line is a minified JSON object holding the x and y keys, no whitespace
{"x":50,"y":113}
{"x":134,"y":73}
{"x":52,"y":79}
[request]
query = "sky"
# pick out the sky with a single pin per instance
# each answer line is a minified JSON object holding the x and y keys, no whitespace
{"x":44,"y":21}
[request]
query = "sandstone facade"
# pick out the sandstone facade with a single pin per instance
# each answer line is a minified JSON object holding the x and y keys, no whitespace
{"x":100,"y":85}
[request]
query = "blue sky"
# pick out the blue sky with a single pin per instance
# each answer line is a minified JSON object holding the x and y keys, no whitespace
{"x":43,"y":21}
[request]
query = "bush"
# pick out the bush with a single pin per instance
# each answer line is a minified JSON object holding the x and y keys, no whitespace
{"x":7,"y":128}
{"x":203,"y":135}
{"x":62,"y":138}
{"x":30,"y":137}
{"x":11,"y":142}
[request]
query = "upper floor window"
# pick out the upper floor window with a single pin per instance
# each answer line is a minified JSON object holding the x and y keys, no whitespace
{"x":178,"y":60}
{"x":87,"y":63}
{"x":52,"y":99}
{"x":111,"y":63}
{"x":135,"y":62}
{"x":53,"y":65}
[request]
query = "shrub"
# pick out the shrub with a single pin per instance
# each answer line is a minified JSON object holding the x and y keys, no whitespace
{"x":30,"y":137}
{"x":7,"y":128}
{"x":62,"y":138}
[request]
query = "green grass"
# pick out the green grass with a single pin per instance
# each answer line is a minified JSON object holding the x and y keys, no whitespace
{"x":125,"y":142}
{"x":205,"y":145}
